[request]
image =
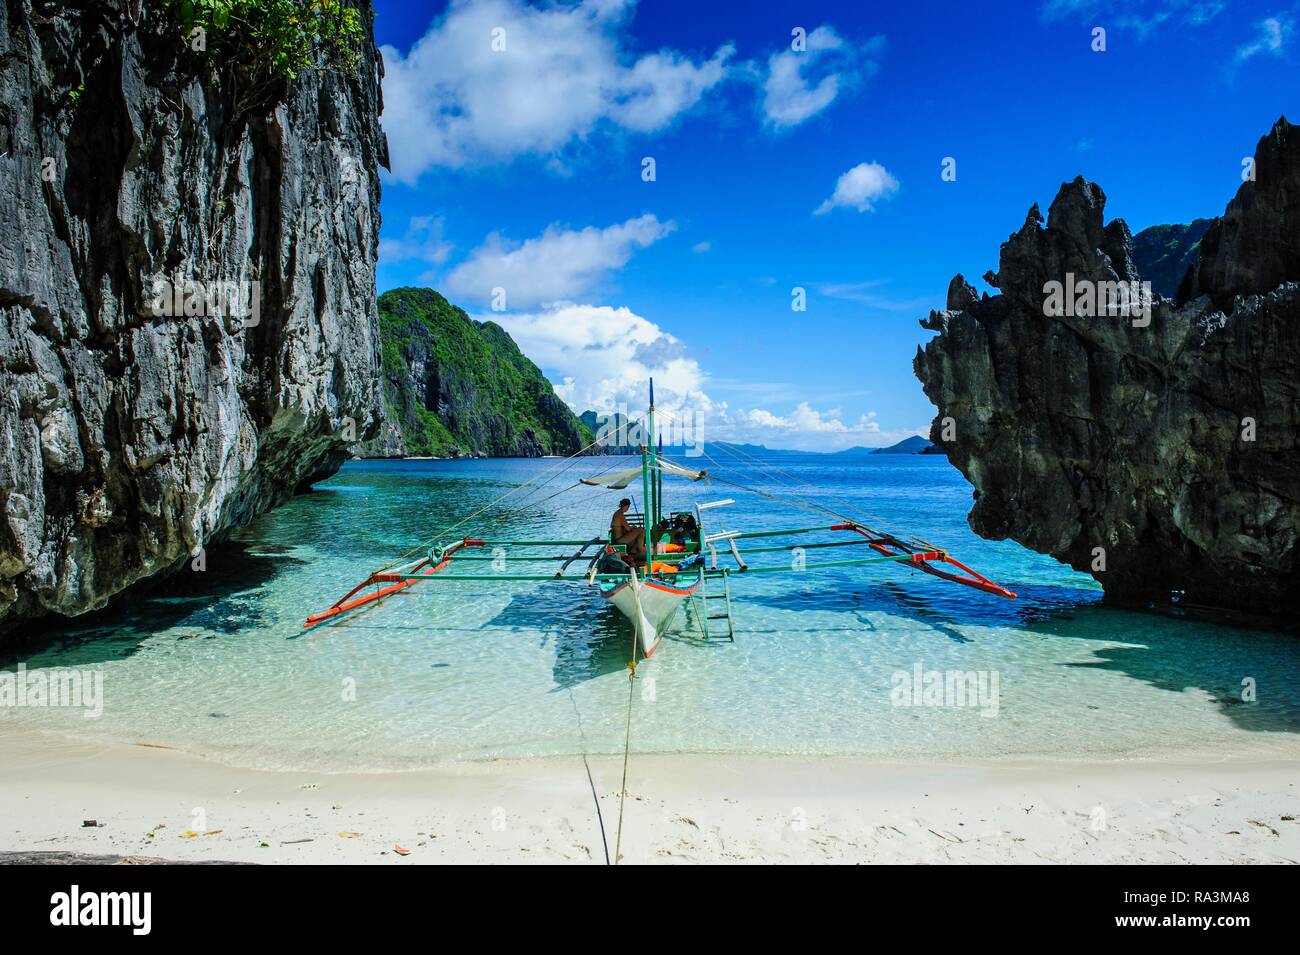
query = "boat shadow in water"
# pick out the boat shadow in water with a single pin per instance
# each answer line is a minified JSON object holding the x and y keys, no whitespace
{"x":887,"y":597}
{"x":936,"y":603}
{"x":225,"y":599}
{"x":1226,"y":663}
{"x":590,"y":640}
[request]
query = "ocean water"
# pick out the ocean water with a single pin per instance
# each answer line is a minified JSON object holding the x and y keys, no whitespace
{"x":218,"y":661}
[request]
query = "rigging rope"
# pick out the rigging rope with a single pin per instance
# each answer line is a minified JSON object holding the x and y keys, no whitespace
{"x":780,"y":477}
{"x":761,"y":465}
{"x":792,"y":482}
{"x":548,"y":475}
{"x":539,"y":502}
{"x":848,"y":505}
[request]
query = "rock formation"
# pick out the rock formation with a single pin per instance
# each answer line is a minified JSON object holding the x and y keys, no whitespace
{"x":454,"y":387}
{"x":1164,"y":253}
{"x":614,"y":432}
{"x":1165,"y":451}
{"x":130,"y":438}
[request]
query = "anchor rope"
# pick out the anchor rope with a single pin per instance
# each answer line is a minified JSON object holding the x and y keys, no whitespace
{"x":627,"y":747}
{"x":600,"y":817}
{"x":627,"y":735}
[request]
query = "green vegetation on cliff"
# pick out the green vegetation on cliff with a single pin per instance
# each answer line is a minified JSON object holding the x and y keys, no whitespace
{"x":272,"y":37}
{"x":454,"y":386}
{"x":1163,"y":253}
{"x":259,"y":45}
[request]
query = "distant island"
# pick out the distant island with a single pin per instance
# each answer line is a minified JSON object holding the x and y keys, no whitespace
{"x":607,"y":431}
{"x":910,"y":445}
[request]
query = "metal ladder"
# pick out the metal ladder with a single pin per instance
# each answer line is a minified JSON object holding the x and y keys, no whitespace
{"x":710,"y":541}
{"x":709,"y":615}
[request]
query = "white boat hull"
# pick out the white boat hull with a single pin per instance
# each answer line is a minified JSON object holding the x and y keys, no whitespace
{"x":651,"y":605}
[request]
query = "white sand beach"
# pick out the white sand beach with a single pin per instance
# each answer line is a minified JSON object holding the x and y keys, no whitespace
{"x":163,"y":803}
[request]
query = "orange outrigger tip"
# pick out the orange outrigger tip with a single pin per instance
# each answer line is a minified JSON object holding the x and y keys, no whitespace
{"x":888,"y":545}
{"x":395,"y":581}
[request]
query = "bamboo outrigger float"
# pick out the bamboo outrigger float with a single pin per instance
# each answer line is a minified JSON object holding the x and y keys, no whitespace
{"x":679,"y":562}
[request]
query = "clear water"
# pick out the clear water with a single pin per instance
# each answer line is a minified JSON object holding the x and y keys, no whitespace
{"x":219,"y":662}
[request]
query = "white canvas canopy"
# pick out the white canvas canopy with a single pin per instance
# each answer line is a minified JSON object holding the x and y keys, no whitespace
{"x":621,"y":479}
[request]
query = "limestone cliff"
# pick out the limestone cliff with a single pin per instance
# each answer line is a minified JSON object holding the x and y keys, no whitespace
{"x":1164,"y":447}
{"x":134,"y":166}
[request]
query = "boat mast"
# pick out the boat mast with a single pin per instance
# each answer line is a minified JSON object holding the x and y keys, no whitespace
{"x":659,"y":482}
{"x":646,"y":494}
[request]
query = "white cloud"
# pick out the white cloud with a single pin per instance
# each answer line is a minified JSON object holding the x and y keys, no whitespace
{"x":605,"y":355}
{"x":422,"y":242}
{"x":705,"y":246}
{"x":1272,"y":35}
{"x":1144,"y":27}
{"x":808,"y":429}
{"x":861,"y":186}
{"x":800,"y":84}
{"x":871,"y":294}
{"x":1200,"y":14}
{"x":1060,"y":9}
{"x":1143,"y":17}
{"x":804,"y":420}
{"x":558,"y":264}
{"x":453,"y":101}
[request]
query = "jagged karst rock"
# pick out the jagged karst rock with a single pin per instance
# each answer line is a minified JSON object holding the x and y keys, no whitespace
{"x":1084,"y":433}
{"x":613,"y":432}
{"x":1165,"y":253}
{"x":961,"y":293}
{"x":455,"y":387}
{"x":1254,"y":247}
{"x":129,"y":439}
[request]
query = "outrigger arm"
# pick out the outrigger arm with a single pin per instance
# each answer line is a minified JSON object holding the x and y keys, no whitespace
{"x":890,"y":550}
{"x":392,"y":579}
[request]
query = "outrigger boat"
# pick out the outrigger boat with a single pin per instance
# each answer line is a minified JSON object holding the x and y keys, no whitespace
{"x":678,"y":562}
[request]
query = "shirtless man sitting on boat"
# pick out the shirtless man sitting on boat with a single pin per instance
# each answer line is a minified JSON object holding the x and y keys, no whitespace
{"x":621,"y":532}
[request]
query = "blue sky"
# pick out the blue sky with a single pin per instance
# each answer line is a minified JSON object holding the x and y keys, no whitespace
{"x":521,"y":168}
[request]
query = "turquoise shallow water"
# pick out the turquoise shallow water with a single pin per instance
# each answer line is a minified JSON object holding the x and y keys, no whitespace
{"x":219,"y":662}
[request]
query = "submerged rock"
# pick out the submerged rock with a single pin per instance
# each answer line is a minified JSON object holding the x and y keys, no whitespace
{"x":1159,"y":452}
{"x":129,"y":437}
